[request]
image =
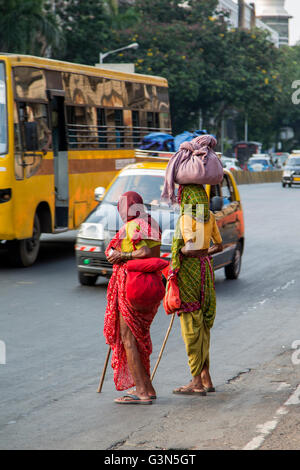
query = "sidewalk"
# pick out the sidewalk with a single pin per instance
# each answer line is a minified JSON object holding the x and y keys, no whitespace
{"x":258,"y":409}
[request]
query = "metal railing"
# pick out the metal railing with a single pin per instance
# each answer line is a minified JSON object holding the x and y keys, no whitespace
{"x":94,"y":136}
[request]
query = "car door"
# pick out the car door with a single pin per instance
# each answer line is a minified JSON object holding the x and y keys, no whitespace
{"x":228,"y":220}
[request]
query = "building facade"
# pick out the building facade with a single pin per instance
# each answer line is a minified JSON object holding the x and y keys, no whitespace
{"x":274,"y":14}
{"x":244,"y":15}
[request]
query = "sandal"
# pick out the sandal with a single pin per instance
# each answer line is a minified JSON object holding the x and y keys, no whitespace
{"x":189,"y":391}
{"x":209,"y":389}
{"x":151,"y":397}
{"x":132,"y":400}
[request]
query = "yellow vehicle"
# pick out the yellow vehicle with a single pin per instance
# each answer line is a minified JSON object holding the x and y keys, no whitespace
{"x":148,"y":179}
{"x":64,"y":130}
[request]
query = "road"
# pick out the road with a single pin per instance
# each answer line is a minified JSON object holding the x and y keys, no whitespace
{"x":52,"y":328}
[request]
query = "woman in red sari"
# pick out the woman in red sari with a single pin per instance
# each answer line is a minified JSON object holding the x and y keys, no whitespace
{"x":126,"y":330}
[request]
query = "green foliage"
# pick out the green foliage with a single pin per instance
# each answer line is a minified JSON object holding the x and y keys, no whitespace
{"x":209,"y":67}
{"x":86,"y":29}
{"x":26,"y":28}
{"x":286,"y":113}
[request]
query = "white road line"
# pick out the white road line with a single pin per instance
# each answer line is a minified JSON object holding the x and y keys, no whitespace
{"x":267,"y":428}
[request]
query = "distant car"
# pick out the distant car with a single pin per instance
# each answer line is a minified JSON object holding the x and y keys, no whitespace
{"x":279,"y":159}
{"x":260,"y":162}
{"x":148,"y":179}
{"x":231,"y":164}
{"x":291,"y":172}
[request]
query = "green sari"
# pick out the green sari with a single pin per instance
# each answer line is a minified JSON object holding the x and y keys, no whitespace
{"x":196,"y":284}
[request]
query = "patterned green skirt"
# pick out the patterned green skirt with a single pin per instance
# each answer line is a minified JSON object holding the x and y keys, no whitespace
{"x":197,"y":291}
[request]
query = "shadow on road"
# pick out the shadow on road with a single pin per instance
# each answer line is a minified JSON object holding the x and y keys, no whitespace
{"x":50,"y":252}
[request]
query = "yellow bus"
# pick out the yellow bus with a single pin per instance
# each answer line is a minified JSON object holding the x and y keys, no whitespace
{"x":64,"y":130}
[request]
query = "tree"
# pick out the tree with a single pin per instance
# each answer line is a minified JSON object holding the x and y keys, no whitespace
{"x":88,"y":28}
{"x":173,"y":39}
{"x":26,"y":28}
{"x":286,"y":109}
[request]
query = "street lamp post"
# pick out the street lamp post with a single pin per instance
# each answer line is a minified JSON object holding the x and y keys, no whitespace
{"x":102,"y":55}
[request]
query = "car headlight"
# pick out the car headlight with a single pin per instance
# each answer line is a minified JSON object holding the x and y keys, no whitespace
{"x":287,"y":173}
{"x":167,"y":237}
{"x":91,"y":231}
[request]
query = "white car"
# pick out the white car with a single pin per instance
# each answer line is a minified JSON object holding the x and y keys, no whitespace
{"x":231,"y":163}
{"x":260,"y":162}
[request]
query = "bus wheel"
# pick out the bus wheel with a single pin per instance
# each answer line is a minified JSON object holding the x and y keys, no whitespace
{"x":233,"y":269}
{"x":25,"y":252}
{"x":86,"y":279}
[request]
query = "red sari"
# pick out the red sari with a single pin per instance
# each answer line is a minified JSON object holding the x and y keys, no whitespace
{"x":139,"y":323}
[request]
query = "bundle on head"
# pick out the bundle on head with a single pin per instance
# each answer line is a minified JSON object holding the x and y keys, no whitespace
{"x":194,"y":163}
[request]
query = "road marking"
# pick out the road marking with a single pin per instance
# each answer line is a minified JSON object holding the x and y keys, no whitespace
{"x":267,"y":428}
{"x":260,"y":303}
{"x":282,"y":386}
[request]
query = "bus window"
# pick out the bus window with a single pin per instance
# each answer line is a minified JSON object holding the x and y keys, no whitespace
{"x":153,"y":121}
{"x":102,"y":129}
{"x":36,"y":112}
{"x":82,"y":127}
{"x":3,"y":111}
{"x":19,"y":169}
{"x":119,"y":122}
{"x":136,"y":136}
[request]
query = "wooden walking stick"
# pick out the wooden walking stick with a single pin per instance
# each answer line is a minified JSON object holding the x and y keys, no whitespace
{"x":163,"y":346}
{"x":104,"y":370}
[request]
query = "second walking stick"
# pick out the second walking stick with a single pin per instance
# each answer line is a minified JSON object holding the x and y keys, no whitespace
{"x":104,"y":370}
{"x":163,"y":346}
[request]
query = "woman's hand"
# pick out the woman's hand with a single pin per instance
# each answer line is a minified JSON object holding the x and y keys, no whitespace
{"x":115,"y":257}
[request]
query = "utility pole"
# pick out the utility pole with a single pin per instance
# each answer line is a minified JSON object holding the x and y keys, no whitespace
{"x":246,"y":128}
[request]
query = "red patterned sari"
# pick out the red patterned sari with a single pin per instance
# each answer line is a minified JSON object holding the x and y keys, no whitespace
{"x":138,"y":322}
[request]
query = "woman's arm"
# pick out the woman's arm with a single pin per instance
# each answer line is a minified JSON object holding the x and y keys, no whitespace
{"x":144,"y":252}
{"x":189,"y":250}
{"x":216,"y":248}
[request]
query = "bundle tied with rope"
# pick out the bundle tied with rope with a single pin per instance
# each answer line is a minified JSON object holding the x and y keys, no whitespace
{"x":195,"y":163}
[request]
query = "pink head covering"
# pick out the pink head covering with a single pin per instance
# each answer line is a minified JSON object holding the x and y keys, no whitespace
{"x":126,"y":201}
{"x":202,"y":146}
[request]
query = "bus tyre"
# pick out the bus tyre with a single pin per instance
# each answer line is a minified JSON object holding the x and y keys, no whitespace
{"x":25,"y":252}
{"x":233,"y":269}
{"x":87,"y":279}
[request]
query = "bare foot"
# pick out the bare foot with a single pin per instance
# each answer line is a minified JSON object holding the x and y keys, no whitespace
{"x":206,"y":378}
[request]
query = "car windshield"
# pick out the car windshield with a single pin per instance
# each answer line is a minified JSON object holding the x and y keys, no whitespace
{"x":280,"y":157}
{"x":3,"y":111}
{"x":147,"y":184}
{"x":293,"y":161}
{"x":262,"y":162}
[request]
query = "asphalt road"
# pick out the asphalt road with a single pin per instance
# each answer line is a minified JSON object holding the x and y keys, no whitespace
{"x":52,"y":328}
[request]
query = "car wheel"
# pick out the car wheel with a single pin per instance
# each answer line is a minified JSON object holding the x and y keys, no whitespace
{"x":25,"y":252}
{"x":290,"y":185}
{"x":87,"y":279}
{"x":283,"y":185}
{"x":233,"y":269}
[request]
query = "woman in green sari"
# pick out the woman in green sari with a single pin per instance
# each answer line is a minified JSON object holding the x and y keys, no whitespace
{"x":192,"y":264}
